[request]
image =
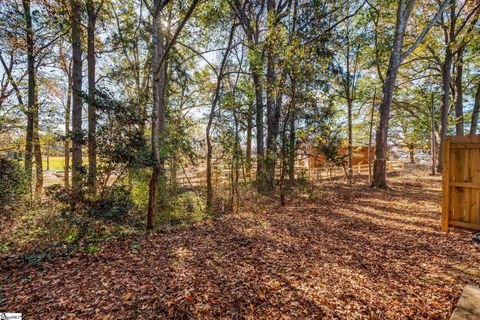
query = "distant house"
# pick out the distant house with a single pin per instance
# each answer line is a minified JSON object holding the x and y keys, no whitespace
{"x":360,"y":156}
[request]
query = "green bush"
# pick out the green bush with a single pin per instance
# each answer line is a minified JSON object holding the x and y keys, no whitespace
{"x":12,"y":183}
{"x":116,"y":206}
{"x":183,"y":209}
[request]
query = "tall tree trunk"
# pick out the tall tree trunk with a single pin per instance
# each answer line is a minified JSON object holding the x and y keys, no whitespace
{"x":449,"y":34}
{"x":248,"y":152}
{"x":350,"y":136}
{"x":411,"y":151}
{"x":476,"y":107}
{"x":432,"y":129}
{"x":31,"y":93}
{"x":257,"y":82}
{"x":92,"y":119}
{"x":404,"y":10}
{"x":159,"y":121}
{"x":370,"y":136}
{"x":160,"y":49}
{"x":77,"y":137}
{"x":215,"y":100}
{"x":38,"y":153}
{"x":272,"y":123}
{"x":291,"y":146}
{"x":66,"y":143}
{"x":459,"y":95}
{"x":349,"y":109}
{"x":379,"y":168}
{"x":250,"y":24}
{"x":444,"y":111}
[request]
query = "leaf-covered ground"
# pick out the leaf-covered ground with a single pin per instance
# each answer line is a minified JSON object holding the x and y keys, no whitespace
{"x":336,"y":252}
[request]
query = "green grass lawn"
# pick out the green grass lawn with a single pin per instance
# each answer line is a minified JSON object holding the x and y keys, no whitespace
{"x":57,"y":163}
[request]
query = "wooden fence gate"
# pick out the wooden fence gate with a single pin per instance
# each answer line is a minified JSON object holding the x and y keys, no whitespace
{"x":461,"y":182}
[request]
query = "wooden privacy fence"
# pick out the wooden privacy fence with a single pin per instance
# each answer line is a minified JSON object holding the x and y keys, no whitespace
{"x":461,"y":182}
{"x":221,"y":175}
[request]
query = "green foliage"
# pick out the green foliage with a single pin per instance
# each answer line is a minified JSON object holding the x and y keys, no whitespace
{"x":140,"y":179}
{"x":120,"y":137}
{"x":12,"y":183}
{"x":91,"y":249}
{"x":116,"y":206}
{"x":323,"y":133}
{"x":183,"y":209}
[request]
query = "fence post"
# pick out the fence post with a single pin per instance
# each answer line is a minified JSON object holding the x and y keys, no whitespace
{"x":445,"y":185}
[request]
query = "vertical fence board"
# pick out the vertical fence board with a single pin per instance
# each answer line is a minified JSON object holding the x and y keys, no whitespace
{"x":461,"y":183}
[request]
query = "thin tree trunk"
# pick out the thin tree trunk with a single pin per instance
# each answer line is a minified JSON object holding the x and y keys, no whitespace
{"x":449,"y":34}
{"x":349,"y":110}
{"x":158,"y":116}
{"x":446,"y":76}
{"x":31,"y":93}
{"x":248,"y":153}
{"x":160,"y":50}
{"x":260,"y":175}
{"x":476,"y":107}
{"x":215,"y":100}
{"x":92,"y":119}
{"x":77,"y":139}
{"x":432,"y":139}
{"x":411,"y":150}
{"x":459,"y":96}
{"x":370,"y":136}
{"x":38,"y":153}
{"x":66,"y":144}
{"x":272,"y":124}
{"x":350,"y":137}
{"x":292,"y":147}
{"x":236,"y":161}
{"x":283,"y":166}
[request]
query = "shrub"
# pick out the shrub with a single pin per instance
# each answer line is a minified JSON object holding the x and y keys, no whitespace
{"x":115,"y":206}
{"x":183,"y":209}
{"x":12,"y":183}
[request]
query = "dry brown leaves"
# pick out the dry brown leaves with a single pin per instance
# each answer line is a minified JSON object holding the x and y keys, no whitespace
{"x":353,"y":253}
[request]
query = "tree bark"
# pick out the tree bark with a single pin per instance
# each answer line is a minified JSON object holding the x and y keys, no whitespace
{"x":370,"y":135}
{"x":411,"y":150}
{"x":459,"y":94}
{"x":215,"y":100}
{"x":31,"y":92}
{"x":66,"y":143}
{"x":350,"y":136}
{"x":291,"y":146}
{"x":260,"y":175}
{"x":379,"y":168}
{"x":248,"y":152}
{"x":432,"y":129}
{"x":349,"y":108}
{"x":77,"y":137}
{"x":446,"y":78}
{"x":250,"y":26}
{"x":92,"y":118}
{"x":38,"y":153}
{"x":476,"y":107}
{"x":158,"y":115}
{"x":272,"y":122}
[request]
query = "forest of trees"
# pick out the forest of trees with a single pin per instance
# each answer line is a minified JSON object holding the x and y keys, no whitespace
{"x":239,"y":159}
{"x":125,"y":90}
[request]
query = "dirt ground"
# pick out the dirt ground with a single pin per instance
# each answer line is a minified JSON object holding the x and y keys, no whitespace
{"x":334,"y":252}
